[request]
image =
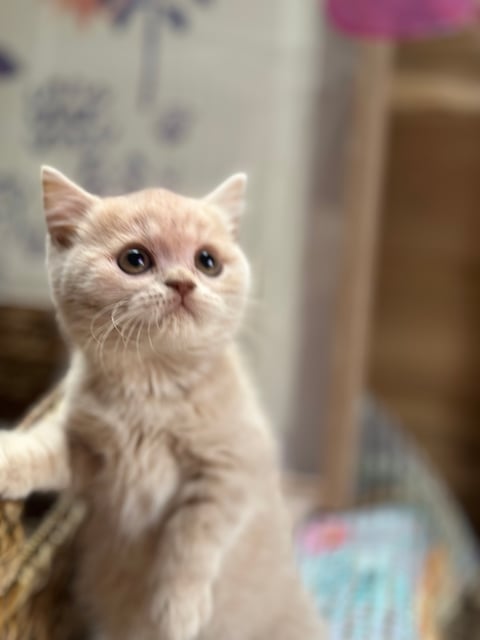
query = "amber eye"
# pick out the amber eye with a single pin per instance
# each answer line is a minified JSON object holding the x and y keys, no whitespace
{"x":208,"y":263}
{"x":134,"y":261}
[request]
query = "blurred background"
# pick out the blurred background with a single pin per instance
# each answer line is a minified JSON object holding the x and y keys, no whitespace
{"x":360,"y":129}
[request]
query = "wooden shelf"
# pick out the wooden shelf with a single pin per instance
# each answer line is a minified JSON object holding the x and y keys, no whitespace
{"x":413,"y":91}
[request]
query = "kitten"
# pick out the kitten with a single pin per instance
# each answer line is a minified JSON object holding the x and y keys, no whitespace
{"x":158,"y":429}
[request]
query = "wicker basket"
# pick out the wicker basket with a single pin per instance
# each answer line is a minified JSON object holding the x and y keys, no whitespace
{"x":36,"y":568}
{"x":32,"y":357}
{"x":35,"y":575}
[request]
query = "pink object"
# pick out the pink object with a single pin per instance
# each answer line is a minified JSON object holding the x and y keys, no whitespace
{"x":325,"y":536}
{"x":400,"y":18}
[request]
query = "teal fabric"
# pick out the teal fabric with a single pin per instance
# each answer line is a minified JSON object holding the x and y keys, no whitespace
{"x":364,"y":569}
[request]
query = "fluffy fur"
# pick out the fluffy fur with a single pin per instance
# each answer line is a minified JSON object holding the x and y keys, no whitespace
{"x":159,"y":430}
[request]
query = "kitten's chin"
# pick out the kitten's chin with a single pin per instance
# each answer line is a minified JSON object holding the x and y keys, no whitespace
{"x":181,"y":308}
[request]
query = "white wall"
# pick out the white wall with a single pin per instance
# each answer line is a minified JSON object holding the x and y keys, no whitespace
{"x":236,"y":89}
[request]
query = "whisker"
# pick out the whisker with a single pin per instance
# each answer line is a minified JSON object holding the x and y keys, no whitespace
{"x":107,"y":309}
{"x":131,"y":326}
{"x":120,"y":337}
{"x":125,"y":318}
{"x":137,"y":341}
{"x":149,"y":335}
{"x":96,"y":317}
{"x":112,"y":326}
{"x":101,"y":345}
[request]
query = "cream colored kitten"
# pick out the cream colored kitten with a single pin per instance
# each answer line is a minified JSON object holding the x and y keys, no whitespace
{"x":158,"y":429}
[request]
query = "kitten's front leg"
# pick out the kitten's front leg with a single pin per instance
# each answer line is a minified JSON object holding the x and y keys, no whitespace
{"x":212,"y":509}
{"x":34,"y":460}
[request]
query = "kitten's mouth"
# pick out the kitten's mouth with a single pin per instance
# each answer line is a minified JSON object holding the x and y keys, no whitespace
{"x":180,"y":305}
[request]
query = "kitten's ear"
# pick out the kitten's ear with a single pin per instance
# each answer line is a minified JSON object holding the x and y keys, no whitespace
{"x":65,"y":204}
{"x":230,"y":198}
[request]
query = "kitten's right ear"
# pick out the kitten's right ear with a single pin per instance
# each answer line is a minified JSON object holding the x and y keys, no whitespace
{"x":65,"y":204}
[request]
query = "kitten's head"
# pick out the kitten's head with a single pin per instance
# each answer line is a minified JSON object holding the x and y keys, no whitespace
{"x":149,"y":272}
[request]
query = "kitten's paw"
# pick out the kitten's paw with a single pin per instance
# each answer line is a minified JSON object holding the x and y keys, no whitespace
{"x":182,"y":611}
{"x":13,"y":480}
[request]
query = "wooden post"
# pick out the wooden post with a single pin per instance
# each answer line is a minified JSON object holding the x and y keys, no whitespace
{"x":364,"y":173}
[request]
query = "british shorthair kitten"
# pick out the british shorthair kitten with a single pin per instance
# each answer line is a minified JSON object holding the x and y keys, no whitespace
{"x":158,"y":429}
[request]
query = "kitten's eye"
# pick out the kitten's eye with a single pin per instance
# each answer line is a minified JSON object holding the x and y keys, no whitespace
{"x":134,"y":261}
{"x":208,"y":263}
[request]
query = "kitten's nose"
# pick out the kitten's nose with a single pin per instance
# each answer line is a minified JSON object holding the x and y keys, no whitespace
{"x":182,"y":286}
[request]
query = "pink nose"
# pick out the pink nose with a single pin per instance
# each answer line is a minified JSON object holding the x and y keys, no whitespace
{"x":182,"y":286}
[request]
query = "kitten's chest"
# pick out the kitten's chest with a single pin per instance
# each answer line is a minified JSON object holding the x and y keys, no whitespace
{"x":139,"y":483}
{"x":127,"y":468}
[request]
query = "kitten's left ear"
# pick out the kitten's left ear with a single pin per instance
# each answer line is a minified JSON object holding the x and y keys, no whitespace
{"x":65,"y":203}
{"x":230,"y":198}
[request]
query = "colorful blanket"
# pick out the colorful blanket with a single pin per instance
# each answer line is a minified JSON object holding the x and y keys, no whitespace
{"x":377,"y":574}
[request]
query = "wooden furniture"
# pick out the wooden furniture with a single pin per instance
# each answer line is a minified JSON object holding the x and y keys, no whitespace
{"x":424,"y":363}
{"x":405,"y":324}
